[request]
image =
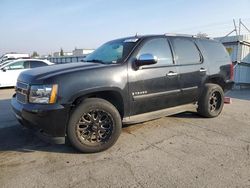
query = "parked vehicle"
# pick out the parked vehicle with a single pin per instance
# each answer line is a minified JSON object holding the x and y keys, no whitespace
{"x":124,"y":81}
{"x":12,"y":56}
{"x":10,"y":70}
{"x":5,"y":62}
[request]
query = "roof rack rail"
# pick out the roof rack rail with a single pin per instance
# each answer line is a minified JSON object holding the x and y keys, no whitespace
{"x":180,"y":35}
{"x":187,"y":35}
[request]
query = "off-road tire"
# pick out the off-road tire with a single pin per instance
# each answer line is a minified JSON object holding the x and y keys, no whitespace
{"x":211,"y":101}
{"x":94,"y":116}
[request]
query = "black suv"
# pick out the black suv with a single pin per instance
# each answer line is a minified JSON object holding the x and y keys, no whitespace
{"x":128,"y":80}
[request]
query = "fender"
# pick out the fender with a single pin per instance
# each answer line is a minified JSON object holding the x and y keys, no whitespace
{"x":87,"y":92}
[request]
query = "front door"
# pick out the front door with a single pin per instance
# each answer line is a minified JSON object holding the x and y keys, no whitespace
{"x":154,"y":87}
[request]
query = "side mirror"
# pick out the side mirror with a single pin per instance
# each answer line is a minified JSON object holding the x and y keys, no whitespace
{"x":146,"y":59}
{"x":4,"y":69}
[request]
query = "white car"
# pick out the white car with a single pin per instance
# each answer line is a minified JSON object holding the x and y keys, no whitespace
{"x":5,"y":62}
{"x":10,"y":71}
{"x":13,"y":56}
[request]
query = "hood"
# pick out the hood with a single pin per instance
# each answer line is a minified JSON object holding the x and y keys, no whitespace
{"x":54,"y":70}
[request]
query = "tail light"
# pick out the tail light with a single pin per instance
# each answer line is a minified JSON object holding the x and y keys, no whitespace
{"x":231,"y":71}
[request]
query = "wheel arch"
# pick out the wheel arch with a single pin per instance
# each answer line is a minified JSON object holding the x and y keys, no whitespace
{"x":112,"y":95}
{"x":217,"y":79}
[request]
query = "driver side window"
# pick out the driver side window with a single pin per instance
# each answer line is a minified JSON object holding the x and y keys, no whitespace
{"x":160,"y":48}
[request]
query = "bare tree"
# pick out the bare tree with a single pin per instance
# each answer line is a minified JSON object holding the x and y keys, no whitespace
{"x":35,"y":54}
{"x":61,"y":52}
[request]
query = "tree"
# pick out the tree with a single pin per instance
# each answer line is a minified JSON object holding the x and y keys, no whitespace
{"x":61,"y":52}
{"x":34,"y":54}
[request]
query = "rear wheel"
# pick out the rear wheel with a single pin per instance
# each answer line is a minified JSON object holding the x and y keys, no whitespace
{"x":211,"y":101}
{"x":94,"y":126}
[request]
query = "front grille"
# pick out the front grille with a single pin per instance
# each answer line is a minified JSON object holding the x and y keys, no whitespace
{"x":22,"y":92}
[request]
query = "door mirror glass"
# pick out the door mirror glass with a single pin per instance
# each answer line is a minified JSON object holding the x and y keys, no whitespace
{"x":146,"y":59}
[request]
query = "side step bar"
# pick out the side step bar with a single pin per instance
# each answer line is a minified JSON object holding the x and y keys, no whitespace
{"x":158,"y":114}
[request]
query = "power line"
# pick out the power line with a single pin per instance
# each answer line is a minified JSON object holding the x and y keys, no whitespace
{"x":217,"y":27}
{"x":205,"y":26}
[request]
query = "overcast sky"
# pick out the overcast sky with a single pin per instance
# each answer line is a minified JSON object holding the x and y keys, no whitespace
{"x":47,"y":25}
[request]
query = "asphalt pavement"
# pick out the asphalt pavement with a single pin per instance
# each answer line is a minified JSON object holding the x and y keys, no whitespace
{"x":184,"y":150}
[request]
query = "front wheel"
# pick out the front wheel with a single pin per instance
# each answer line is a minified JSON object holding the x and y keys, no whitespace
{"x":94,"y":126}
{"x":211,"y":101}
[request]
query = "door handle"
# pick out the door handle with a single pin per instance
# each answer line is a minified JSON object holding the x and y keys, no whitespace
{"x":203,"y":70}
{"x":171,"y":73}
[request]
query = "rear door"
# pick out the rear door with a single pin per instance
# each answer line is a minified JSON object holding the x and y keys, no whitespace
{"x":192,"y":71}
{"x":154,"y":87}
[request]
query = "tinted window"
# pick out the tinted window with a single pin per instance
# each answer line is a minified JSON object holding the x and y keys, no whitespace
{"x":186,"y":51}
{"x":16,"y":66}
{"x":215,"y":50}
{"x":112,"y":52}
{"x":26,"y":64}
{"x":160,"y":48}
{"x":35,"y":64}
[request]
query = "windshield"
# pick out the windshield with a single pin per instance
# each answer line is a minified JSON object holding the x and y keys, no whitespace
{"x":5,"y":62}
{"x":112,"y":52}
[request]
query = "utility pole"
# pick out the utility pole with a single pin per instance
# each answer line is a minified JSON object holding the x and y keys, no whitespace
{"x":244,"y":26}
{"x":239,"y":25}
{"x":238,"y":31}
{"x":235,"y":28}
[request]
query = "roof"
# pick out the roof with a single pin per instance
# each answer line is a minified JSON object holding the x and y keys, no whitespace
{"x":16,"y":60}
{"x":161,"y":35}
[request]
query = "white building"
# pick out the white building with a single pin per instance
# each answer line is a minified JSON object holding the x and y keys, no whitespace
{"x":57,"y":54}
{"x":67,"y":53}
{"x":238,"y":48}
{"x":82,"y":52}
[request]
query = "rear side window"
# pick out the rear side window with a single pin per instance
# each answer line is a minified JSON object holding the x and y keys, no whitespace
{"x":215,"y":51}
{"x":186,"y":51}
{"x":34,"y":64}
{"x":160,"y":48}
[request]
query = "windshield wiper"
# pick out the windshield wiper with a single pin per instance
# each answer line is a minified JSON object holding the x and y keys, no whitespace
{"x":95,"y":61}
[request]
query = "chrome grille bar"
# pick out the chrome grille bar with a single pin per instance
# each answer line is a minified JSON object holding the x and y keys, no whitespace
{"x":22,"y":92}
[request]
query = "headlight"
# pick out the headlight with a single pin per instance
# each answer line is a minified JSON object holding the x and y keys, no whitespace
{"x":43,"y":94}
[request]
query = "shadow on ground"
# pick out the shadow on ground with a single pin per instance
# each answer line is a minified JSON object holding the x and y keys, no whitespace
{"x":20,"y":139}
{"x":191,"y":115}
{"x":7,"y":118}
{"x":15,"y":138}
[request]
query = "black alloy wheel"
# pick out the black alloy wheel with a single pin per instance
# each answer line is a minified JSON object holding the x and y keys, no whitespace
{"x":94,"y":125}
{"x":215,"y":101}
{"x":211,"y":101}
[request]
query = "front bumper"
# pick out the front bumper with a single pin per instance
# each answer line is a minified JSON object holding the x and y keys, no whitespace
{"x":50,"y":120}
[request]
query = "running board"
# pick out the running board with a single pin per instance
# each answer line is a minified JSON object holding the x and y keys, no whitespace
{"x":158,"y":114}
